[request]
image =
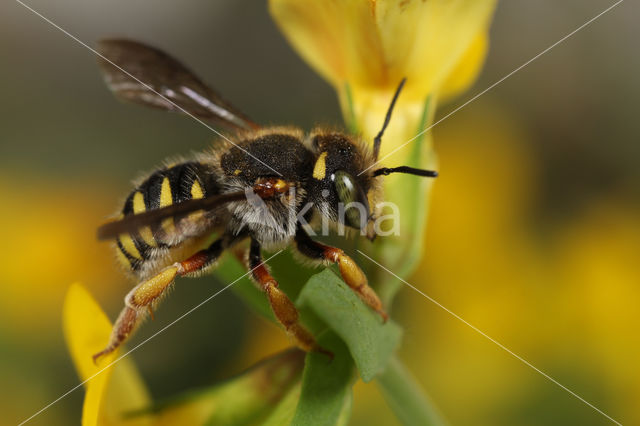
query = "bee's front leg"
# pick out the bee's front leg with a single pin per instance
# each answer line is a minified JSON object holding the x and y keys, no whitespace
{"x":350,"y":271}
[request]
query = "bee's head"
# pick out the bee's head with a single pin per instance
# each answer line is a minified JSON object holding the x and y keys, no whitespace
{"x":345,"y":180}
{"x":340,"y":191}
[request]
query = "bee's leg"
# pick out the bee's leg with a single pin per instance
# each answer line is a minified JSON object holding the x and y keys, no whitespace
{"x":351,"y":273}
{"x":281,"y":305}
{"x":140,"y":300}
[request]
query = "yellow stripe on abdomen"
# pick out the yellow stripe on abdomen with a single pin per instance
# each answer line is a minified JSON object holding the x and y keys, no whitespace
{"x":196,"y":190}
{"x":122,"y":258}
{"x":129,"y":246}
{"x":196,"y":193}
{"x":145,"y":231}
{"x":166,"y":199}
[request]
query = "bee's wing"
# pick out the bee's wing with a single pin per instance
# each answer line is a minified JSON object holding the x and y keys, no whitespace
{"x":155,"y":79}
{"x":132,"y":223}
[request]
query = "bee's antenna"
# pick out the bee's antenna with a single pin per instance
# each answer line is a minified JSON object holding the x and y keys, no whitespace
{"x":405,"y":169}
{"x":378,"y":139}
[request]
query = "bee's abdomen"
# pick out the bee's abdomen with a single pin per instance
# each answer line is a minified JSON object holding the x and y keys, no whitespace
{"x":163,"y":188}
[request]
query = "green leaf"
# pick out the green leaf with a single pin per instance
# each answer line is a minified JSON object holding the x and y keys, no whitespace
{"x":370,"y":342}
{"x":285,"y":410}
{"x":406,"y":398}
{"x":326,"y":393}
{"x":345,"y":414}
{"x":241,"y":401}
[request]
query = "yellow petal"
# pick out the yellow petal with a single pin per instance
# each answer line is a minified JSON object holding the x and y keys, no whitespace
{"x":110,"y":391}
{"x":86,"y":329}
{"x":425,"y":40}
{"x":126,"y":393}
{"x":365,"y":48}
{"x":338,"y":39}
{"x":374,"y":44}
{"x":468,"y":68}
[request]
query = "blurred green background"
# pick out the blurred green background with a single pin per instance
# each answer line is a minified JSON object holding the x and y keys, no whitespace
{"x":534,"y":232}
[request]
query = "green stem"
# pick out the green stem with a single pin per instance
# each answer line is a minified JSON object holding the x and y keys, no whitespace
{"x":411,"y":195}
{"x":348,"y":111}
{"x":406,"y":397}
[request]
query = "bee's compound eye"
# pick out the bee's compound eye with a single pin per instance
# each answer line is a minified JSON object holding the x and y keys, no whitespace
{"x":354,"y":208}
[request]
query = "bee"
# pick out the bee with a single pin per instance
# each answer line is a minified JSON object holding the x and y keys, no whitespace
{"x":261,"y":184}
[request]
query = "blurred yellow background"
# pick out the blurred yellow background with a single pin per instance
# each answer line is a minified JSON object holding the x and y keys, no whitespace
{"x":533,"y":237}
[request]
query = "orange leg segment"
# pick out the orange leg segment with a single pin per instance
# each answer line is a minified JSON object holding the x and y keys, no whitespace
{"x":351,"y":273}
{"x":284,"y":310}
{"x":140,"y":301}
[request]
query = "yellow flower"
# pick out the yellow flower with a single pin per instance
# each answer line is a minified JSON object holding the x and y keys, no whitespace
{"x":364,"y":48}
{"x":116,"y":394}
{"x":110,"y":391}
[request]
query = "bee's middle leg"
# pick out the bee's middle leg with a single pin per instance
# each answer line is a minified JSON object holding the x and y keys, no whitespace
{"x":142,"y":298}
{"x":283,"y":308}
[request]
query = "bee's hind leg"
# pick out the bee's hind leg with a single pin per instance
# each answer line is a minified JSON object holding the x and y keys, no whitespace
{"x":140,"y":300}
{"x":351,"y":273}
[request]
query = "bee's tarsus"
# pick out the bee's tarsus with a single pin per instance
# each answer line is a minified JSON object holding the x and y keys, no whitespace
{"x":326,"y":352}
{"x":99,"y":355}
